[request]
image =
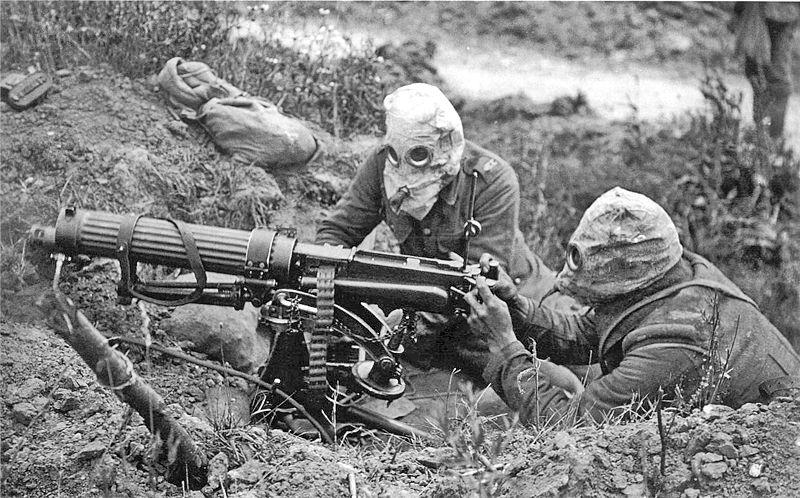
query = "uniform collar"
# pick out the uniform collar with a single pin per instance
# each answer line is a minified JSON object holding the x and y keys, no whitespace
{"x":680,"y":272}
{"x":449,"y":193}
{"x":470,"y":161}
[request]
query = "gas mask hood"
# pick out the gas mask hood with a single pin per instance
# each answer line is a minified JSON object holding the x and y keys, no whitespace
{"x":424,"y":145}
{"x":624,"y":242}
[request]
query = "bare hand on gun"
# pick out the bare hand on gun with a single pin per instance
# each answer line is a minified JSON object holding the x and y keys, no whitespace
{"x":489,"y":316}
{"x":504,"y":288}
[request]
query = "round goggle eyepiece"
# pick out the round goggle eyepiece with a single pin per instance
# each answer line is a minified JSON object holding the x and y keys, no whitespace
{"x":574,"y":258}
{"x":419,"y":156}
{"x":391,"y":156}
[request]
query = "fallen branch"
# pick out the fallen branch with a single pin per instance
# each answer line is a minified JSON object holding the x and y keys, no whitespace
{"x":186,"y":463}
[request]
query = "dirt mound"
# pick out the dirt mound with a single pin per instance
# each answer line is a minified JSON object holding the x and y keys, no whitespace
{"x":754,"y":450}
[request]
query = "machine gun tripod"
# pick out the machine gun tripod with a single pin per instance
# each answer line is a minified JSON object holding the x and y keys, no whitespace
{"x":317,"y":301}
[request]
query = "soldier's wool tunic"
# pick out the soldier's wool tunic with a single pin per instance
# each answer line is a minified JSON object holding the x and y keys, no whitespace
{"x":663,"y":336}
{"x":365,"y":205}
{"x":496,"y":207}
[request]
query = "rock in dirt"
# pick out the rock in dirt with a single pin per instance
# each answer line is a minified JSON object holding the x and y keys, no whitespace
{"x":72,"y":382}
{"x":65,"y":400}
{"x":618,"y":479}
{"x":104,"y":473}
{"x":747,"y":451}
{"x":713,"y":412}
{"x":27,"y":390}
{"x":193,"y":425}
{"x":697,"y":442}
{"x":434,"y":458}
{"x":714,"y":470}
{"x":709,"y":465}
{"x":762,"y":486}
{"x":634,"y":490}
{"x":224,"y":334}
{"x":563,"y":439}
{"x":91,"y":450}
{"x":249,"y":473}
{"x":217,"y":473}
{"x":750,"y":408}
{"x":177,"y":128}
{"x":722,"y":443}
{"x":23,"y":412}
{"x":709,"y":457}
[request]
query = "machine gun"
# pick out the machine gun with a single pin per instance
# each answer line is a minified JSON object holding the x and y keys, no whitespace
{"x":314,"y":299}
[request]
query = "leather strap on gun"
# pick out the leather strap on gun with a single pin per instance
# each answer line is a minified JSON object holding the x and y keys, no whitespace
{"x":126,"y":287}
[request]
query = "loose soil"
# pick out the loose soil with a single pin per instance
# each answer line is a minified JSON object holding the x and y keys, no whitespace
{"x":106,"y":142}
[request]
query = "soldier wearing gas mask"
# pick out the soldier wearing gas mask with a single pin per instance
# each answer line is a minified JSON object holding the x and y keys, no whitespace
{"x":662,"y":318}
{"x":419,"y":182}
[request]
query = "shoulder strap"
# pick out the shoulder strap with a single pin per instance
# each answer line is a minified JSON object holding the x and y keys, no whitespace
{"x":664,"y":293}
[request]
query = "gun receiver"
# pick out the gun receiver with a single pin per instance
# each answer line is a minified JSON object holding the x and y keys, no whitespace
{"x":263,"y":259}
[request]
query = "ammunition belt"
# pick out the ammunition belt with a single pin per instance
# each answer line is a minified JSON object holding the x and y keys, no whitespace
{"x":317,"y":378}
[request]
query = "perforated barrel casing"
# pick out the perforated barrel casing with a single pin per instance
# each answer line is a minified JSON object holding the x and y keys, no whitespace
{"x":154,"y":240}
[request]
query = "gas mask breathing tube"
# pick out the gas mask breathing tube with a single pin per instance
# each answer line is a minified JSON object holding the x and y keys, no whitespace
{"x":424,"y":145}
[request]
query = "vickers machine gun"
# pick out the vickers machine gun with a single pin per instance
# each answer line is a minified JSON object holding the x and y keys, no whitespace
{"x":314,"y":299}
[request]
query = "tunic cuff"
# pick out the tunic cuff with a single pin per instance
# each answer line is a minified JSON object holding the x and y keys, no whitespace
{"x":493,"y":373}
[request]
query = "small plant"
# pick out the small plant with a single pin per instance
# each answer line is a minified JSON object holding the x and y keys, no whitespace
{"x":715,"y":369}
{"x":467,"y":436}
{"x":133,"y":37}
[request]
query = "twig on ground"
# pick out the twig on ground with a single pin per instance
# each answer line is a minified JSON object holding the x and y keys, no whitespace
{"x":661,"y":433}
